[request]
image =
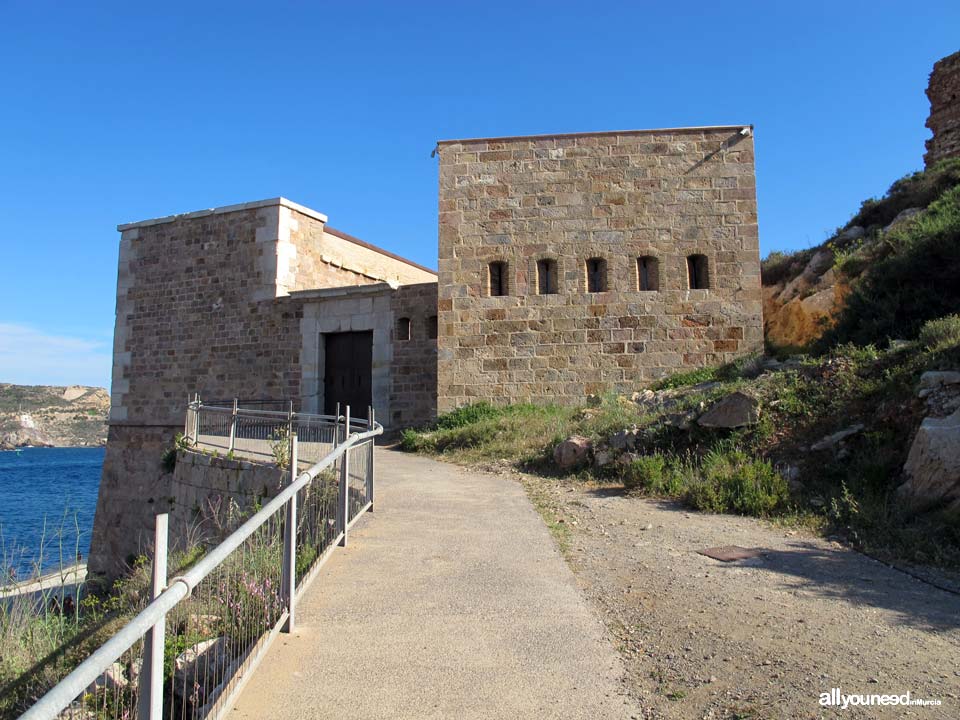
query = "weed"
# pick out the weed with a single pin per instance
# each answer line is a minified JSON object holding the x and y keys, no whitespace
{"x":941,"y":333}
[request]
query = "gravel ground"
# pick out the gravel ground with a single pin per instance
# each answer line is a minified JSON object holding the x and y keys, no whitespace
{"x":756,"y":638}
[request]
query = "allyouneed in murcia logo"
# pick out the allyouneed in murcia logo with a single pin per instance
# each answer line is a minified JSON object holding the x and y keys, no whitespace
{"x":835,"y":698}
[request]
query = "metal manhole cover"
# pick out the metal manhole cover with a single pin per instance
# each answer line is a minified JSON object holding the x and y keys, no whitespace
{"x":729,"y":553}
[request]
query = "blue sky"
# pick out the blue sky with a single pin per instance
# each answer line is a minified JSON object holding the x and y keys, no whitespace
{"x":113,"y":112}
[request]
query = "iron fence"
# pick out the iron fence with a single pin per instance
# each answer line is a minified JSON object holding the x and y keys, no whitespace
{"x":189,"y":651}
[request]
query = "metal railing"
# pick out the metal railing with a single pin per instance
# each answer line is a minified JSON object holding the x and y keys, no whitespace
{"x":191,"y":649}
{"x":263,"y":434}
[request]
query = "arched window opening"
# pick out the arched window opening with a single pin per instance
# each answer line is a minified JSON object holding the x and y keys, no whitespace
{"x":497,"y":279}
{"x":648,"y":274}
{"x":547,"y":277}
{"x":403,"y":329}
{"x":698,"y":273}
{"x":596,"y":275}
{"x":432,"y":327}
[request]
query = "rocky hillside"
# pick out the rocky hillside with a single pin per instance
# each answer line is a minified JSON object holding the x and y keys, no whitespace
{"x":879,"y":277}
{"x":53,"y":416}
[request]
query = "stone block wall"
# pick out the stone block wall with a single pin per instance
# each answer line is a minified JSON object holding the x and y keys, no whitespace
{"x":404,"y":371}
{"x":619,"y":196}
{"x":207,"y":494}
{"x":944,"y":120}
{"x":413,"y":392}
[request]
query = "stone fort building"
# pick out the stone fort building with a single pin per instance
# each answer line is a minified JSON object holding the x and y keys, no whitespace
{"x":568,"y":265}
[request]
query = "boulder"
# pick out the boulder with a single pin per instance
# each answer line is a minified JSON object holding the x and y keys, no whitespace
{"x":199,"y":668}
{"x":902,"y":216}
{"x":624,"y":439}
{"x":571,"y":452}
{"x":934,"y":379}
{"x":855,"y":232}
{"x":684,"y":420}
{"x":113,"y":679}
{"x":603,"y":458}
{"x":933,"y":465}
{"x":594,"y":400}
{"x":830,"y":440}
{"x":735,"y":410}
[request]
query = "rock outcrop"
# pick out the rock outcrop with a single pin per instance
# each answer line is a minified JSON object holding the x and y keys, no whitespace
{"x":933,"y":465}
{"x":735,"y":410}
{"x":944,"y":121}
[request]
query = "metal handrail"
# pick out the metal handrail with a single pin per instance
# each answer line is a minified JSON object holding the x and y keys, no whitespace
{"x":180,"y":587}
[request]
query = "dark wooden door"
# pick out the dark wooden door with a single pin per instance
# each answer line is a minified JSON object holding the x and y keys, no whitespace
{"x":349,"y":358}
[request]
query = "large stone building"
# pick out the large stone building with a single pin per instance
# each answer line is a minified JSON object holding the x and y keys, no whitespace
{"x":569,"y":264}
{"x":575,"y":264}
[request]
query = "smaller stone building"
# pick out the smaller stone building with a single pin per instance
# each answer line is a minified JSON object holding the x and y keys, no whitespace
{"x":255,"y":301}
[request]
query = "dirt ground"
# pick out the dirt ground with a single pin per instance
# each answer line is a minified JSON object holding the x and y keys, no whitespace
{"x":756,"y":638}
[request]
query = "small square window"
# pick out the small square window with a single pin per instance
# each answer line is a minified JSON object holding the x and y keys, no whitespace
{"x":698,"y":272}
{"x":547,"y":277}
{"x":403,"y":329}
{"x":596,"y":275}
{"x":648,"y":273}
{"x":497,"y":280}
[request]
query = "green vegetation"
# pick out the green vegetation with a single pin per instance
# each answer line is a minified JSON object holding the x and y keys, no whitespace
{"x":941,"y":333}
{"x":910,"y":277}
{"x":743,"y":470}
{"x":483,"y":432}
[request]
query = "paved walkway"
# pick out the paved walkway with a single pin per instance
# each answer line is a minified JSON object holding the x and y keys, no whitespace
{"x":451,"y":601}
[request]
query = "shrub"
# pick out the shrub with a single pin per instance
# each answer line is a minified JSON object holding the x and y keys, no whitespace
{"x":778,"y":266}
{"x":732,"y":481}
{"x":644,"y":472}
{"x":941,"y":333}
{"x":657,"y":474}
{"x":917,"y":189}
{"x":467,"y":415}
{"x":914,"y":282}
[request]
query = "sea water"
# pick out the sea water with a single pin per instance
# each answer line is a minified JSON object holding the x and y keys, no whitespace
{"x":47,"y":500}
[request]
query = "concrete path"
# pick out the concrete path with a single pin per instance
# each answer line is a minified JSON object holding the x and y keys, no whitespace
{"x":451,"y":601}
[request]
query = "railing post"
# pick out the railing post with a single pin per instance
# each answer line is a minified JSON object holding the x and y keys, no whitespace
{"x":289,"y":580}
{"x":336,"y":427}
{"x":345,"y":482}
{"x":196,"y":419}
{"x":372,"y":418}
{"x":233,"y":427}
{"x":151,"y":667}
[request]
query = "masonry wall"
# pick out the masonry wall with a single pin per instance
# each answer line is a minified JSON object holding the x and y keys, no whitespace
{"x":944,"y":121}
{"x":616,"y":196}
{"x":413,"y":392}
{"x":404,"y":372}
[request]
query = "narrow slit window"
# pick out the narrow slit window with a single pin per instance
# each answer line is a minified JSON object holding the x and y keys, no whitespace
{"x":403,"y":329}
{"x":698,"y":274}
{"x":498,"y":279}
{"x":547,"y":277}
{"x":596,"y":275}
{"x":648,"y":274}
{"x":432,"y":327}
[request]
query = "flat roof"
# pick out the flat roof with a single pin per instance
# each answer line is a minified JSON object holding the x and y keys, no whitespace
{"x":271,"y":202}
{"x":226,"y":209}
{"x":550,"y":136}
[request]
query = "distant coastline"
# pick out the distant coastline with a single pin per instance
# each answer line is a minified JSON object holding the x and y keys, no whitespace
{"x":58,"y":416}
